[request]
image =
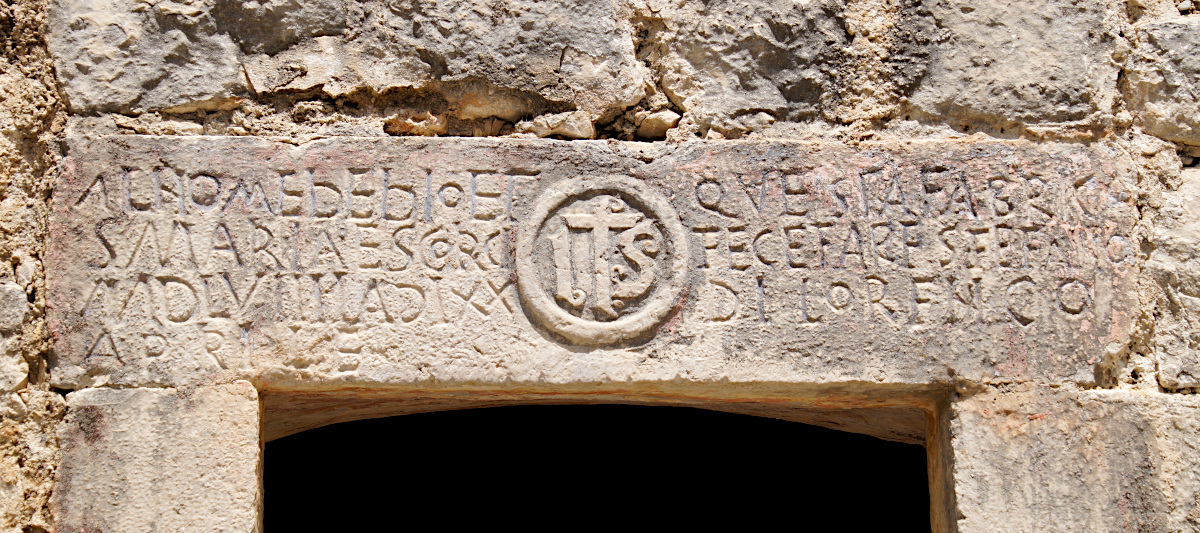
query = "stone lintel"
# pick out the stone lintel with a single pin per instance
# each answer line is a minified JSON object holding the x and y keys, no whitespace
{"x":375,"y":262}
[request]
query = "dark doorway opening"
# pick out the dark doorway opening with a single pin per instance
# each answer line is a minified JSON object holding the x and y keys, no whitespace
{"x":608,"y":466}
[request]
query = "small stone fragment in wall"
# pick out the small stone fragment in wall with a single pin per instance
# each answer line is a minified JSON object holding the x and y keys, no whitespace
{"x":572,"y":125}
{"x":13,"y":306}
{"x":656,"y":124}
{"x":422,"y":123}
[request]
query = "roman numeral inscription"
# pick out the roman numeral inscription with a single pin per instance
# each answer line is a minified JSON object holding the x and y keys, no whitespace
{"x":369,"y":261}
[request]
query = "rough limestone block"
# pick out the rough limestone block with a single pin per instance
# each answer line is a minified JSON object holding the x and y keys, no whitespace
{"x":1163,"y":89}
{"x":14,"y":370}
{"x":509,"y":60}
{"x":374,"y":261}
{"x":1038,"y":62}
{"x":159,"y":460}
{"x":127,"y":55}
{"x":14,"y":304}
{"x":1035,"y":459}
{"x":1174,"y":265}
{"x":28,"y":457}
{"x":738,"y":66}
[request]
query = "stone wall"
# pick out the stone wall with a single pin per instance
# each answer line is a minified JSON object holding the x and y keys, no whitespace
{"x":968,"y":224}
{"x":31,"y":124}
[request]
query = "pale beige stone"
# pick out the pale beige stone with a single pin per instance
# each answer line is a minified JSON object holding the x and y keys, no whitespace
{"x":31,"y":117}
{"x":1001,"y":63}
{"x":736,"y":67}
{"x":14,"y":304}
{"x":123,"y":55}
{"x":160,"y":460}
{"x":512,"y":61}
{"x":28,"y":458}
{"x":741,"y":66}
{"x":573,"y":125}
{"x":1026,"y":458}
{"x":1174,"y":265}
{"x":14,"y":370}
{"x":422,"y":123}
{"x":386,"y":262}
{"x":655,"y":125}
{"x":1162,"y":76}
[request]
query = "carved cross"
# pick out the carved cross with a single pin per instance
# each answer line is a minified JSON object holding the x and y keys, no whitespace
{"x":606,"y":217}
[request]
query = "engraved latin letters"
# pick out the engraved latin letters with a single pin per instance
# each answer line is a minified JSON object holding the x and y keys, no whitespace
{"x":322,"y":252}
{"x":601,"y":260}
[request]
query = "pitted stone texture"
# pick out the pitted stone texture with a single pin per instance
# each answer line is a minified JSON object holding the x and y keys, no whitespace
{"x":1174,"y":267}
{"x":126,"y":55}
{"x":390,"y":261}
{"x":159,"y":460}
{"x":14,"y":370}
{"x":1163,"y":74}
{"x":28,"y":457}
{"x":739,"y":66}
{"x":30,"y":121}
{"x":1035,"y":63}
{"x":14,"y":307}
{"x":1025,"y":458}
{"x":510,"y":60}
{"x":14,"y":304}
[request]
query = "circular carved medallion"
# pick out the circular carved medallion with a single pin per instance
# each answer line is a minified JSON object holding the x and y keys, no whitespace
{"x":601,"y":260}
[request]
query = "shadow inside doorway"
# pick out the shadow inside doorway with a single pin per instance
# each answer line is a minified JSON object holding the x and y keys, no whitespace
{"x":594,"y":466}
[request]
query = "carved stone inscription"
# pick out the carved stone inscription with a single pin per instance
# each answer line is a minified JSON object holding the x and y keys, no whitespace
{"x":381,"y":260}
{"x":617,"y":255}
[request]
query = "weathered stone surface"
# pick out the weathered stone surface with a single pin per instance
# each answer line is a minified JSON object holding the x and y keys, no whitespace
{"x":387,"y":261}
{"x":14,"y":370}
{"x":124,"y":55}
{"x":572,"y":125}
{"x":507,"y":61}
{"x":31,"y":115}
{"x":738,"y":66}
{"x":848,"y":286}
{"x":655,"y":125}
{"x":1162,"y":77}
{"x":1174,"y":266}
{"x":159,"y":460}
{"x":28,"y":458}
{"x":510,"y":61}
{"x":1031,"y":459}
{"x":727,"y":67}
{"x":1002,"y":63}
{"x":13,"y":306}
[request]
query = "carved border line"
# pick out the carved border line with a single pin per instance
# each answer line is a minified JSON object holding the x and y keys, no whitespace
{"x":587,"y":332}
